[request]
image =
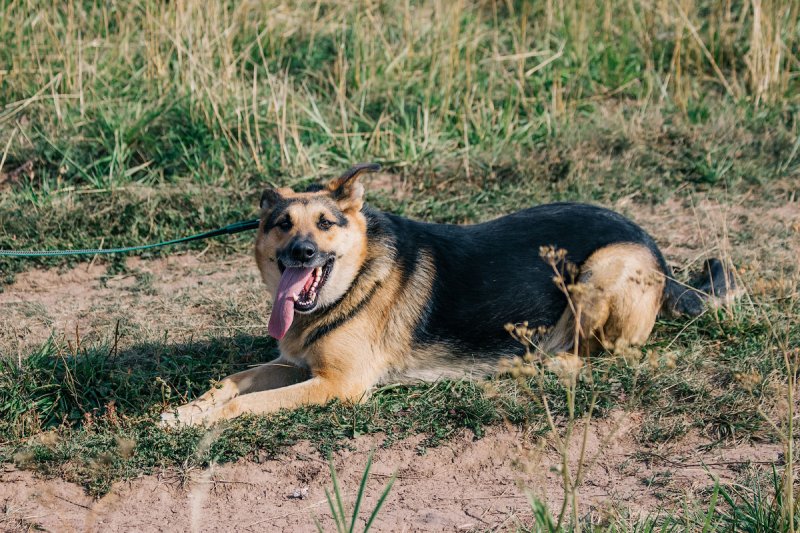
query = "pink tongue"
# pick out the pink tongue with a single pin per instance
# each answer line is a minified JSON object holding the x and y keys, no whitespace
{"x":293,"y":280}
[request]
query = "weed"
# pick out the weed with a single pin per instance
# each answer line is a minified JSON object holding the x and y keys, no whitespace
{"x":337,"y":506}
{"x":756,"y":509}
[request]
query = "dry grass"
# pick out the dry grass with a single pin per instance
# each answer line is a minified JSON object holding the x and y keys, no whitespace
{"x":389,"y":80}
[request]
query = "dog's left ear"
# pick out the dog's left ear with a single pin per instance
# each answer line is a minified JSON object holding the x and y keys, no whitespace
{"x":346,"y":189}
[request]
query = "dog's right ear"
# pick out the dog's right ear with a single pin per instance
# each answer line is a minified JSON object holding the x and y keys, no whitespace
{"x":269,"y":198}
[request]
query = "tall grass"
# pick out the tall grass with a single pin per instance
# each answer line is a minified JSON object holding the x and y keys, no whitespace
{"x":147,"y":90}
{"x":145,"y":111}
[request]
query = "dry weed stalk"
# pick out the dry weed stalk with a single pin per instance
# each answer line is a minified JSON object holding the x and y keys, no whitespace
{"x":569,"y":367}
{"x":766,"y":76}
{"x":221,"y":57}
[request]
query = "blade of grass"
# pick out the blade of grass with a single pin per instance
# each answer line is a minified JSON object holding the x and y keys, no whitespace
{"x":360,"y":494}
{"x":380,"y":502}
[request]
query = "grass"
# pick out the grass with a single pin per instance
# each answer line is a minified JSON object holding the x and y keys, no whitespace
{"x":90,"y":453}
{"x":533,"y":368}
{"x":337,"y":508}
{"x":125,"y":123}
{"x":146,"y":113}
{"x":64,"y":409}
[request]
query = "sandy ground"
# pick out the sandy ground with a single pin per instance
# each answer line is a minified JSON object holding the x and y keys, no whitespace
{"x":464,"y":485}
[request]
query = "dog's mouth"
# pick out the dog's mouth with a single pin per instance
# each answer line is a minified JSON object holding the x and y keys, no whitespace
{"x":305,"y":300}
{"x":298,"y":291}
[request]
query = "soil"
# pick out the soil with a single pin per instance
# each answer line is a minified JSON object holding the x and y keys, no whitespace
{"x":466,"y":484}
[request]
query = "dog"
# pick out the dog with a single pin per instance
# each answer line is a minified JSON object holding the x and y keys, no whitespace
{"x":362,"y":297}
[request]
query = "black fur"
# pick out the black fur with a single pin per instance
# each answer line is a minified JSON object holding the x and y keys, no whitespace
{"x":324,"y":329}
{"x":278,"y":208}
{"x":491,"y":274}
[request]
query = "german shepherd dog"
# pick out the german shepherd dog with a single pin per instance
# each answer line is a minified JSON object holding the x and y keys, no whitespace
{"x":361,"y":297}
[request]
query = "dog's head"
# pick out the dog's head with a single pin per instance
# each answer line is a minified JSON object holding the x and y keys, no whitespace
{"x":310,"y":245}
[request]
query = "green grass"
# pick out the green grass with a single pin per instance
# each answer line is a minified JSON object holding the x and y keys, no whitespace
{"x":86,"y":400}
{"x":739,"y":508}
{"x":344,"y":519}
{"x":90,"y":401}
{"x":123,"y":126}
{"x":126,"y":123}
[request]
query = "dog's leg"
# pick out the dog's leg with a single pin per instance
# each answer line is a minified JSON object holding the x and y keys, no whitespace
{"x":315,"y":391}
{"x":620,"y":292}
{"x":272,"y":375}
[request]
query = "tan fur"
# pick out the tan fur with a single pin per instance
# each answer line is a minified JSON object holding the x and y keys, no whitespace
{"x":273,"y":375}
{"x":617,"y":296}
{"x":351,"y":359}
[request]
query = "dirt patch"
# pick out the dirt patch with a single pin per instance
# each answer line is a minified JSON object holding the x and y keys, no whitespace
{"x":12,"y":176}
{"x":391,"y":185}
{"x":178,"y":296}
{"x":464,"y":485}
{"x":764,"y":238}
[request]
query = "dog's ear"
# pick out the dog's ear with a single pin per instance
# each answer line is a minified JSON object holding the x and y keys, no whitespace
{"x":346,"y":189}
{"x":269,"y":198}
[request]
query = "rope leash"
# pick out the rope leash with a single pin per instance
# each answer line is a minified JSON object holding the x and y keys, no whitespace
{"x":230,"y":229}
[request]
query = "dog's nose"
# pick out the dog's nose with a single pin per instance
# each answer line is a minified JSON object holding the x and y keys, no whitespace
{"x":303,"y":250}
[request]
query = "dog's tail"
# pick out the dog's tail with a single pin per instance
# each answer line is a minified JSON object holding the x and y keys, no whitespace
{"x":715,"y":285}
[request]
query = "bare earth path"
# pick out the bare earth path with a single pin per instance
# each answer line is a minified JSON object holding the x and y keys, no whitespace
{"x":463,"y":485}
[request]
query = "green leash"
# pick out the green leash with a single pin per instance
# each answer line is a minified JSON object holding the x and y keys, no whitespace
{"x":231,"y":229}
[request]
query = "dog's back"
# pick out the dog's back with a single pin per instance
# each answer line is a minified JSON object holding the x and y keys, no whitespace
{"x":490,"y":274}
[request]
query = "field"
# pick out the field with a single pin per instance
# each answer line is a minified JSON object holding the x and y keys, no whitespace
{"x":135,"y":122}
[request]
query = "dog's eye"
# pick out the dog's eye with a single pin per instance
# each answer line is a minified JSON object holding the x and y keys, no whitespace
{"x":285,"y":224}
{"x":324,"y":224}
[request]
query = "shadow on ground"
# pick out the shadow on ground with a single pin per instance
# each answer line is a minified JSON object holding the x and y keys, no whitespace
{"x":63,"y":384}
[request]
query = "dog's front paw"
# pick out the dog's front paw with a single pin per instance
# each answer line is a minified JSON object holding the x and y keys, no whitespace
{"x":190,"y":414}
{"x":169,"y":419}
